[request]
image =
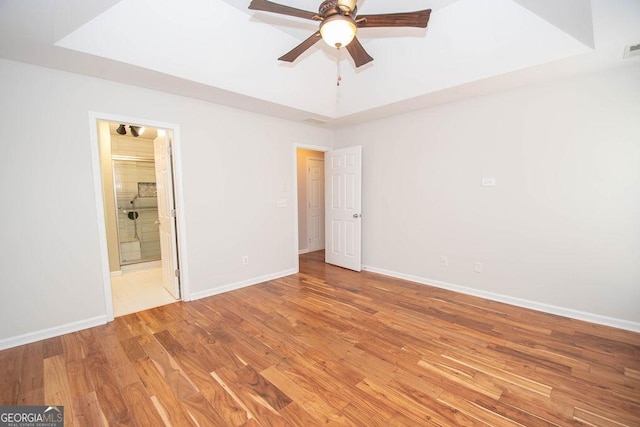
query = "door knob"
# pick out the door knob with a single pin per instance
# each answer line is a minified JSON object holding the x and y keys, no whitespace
{"x":356,"y":215}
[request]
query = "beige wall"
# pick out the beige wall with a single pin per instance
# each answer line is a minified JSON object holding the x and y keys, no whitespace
{"x":303,"y":155}
{"x":106,"y":166}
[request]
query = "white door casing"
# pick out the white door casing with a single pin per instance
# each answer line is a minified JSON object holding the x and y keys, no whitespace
{"x":167,"y":226}
{"x":315,"y":204}
{"x":343,"y":171}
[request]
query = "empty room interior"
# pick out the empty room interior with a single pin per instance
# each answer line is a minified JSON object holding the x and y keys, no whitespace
{"x":305,"y":213}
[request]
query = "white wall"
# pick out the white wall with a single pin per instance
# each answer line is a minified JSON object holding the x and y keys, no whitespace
{"x":560,"y":228}
{"x":235,"y":166}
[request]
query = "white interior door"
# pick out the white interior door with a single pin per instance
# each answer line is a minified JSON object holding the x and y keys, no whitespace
{"x":166,"y":214}
{"x":343,"y":201}
{"x":315,"y":204}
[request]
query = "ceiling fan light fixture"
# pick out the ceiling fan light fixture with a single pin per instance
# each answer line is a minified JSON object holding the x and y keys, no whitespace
{"x":347,"y":5}
{"x":338,"y":31}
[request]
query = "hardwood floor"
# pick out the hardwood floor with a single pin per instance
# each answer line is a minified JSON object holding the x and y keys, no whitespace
{"x":330,"y":346}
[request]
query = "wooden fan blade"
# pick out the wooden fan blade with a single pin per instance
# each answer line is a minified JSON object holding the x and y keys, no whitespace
{"x":357,"y":52}
{"x":268,"y":6}
{"x":293,"y":54}
{"x":418,"y":19}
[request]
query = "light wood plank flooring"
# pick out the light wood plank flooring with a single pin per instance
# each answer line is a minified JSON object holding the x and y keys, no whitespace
{"x":333,"y":347}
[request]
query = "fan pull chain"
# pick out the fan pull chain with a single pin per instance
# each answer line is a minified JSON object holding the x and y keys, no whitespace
{"x":339,"y":78}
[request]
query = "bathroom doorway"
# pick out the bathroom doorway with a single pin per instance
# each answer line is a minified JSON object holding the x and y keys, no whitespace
{"x":139,"y":210}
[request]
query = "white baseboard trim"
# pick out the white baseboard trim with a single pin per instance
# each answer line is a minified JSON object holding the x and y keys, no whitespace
{"x":243,"y":284}
{"x":533,"y":305}
{"x":303,"y":251}
{"x":51,"y":332}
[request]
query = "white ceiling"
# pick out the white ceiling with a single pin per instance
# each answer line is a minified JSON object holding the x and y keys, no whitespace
{"x":220,"y":51}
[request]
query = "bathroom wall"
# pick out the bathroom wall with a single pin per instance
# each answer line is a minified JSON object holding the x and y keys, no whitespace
{"x":108,"y":195}
{"x":133,"y":147}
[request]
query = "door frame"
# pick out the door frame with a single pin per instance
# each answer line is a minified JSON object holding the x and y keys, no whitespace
{"x":94,"y":118}
{"x":296,"y":146}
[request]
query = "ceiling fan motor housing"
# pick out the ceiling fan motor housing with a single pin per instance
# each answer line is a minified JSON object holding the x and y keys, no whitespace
{"x":333,"y":7}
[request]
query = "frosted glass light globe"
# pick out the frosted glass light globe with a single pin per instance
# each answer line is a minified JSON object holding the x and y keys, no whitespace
{"x":338,"y":31}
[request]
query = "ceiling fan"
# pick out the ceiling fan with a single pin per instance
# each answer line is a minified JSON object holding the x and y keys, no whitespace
{"x":339,"y":22}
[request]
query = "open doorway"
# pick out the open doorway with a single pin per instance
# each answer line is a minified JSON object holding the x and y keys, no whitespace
{"x":311,"y":204}
{"x":138,"y":198}
{"x":341,"y":187}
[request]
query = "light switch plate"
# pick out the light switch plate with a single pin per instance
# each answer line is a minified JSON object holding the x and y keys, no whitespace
{"x":477,"y":267}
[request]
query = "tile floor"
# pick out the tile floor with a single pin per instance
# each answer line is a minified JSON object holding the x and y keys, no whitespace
{"x":138,"y":290}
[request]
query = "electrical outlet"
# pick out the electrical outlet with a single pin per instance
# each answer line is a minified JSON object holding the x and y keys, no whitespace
{"x":444,"y":261}
{"x":245,"y":260}
{"x":477,"y":267}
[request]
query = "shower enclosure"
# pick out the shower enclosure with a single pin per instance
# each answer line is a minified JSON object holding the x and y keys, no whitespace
{"x":137,"y":208}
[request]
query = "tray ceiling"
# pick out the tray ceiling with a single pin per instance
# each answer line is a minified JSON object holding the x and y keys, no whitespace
{"x":221,"y":51}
